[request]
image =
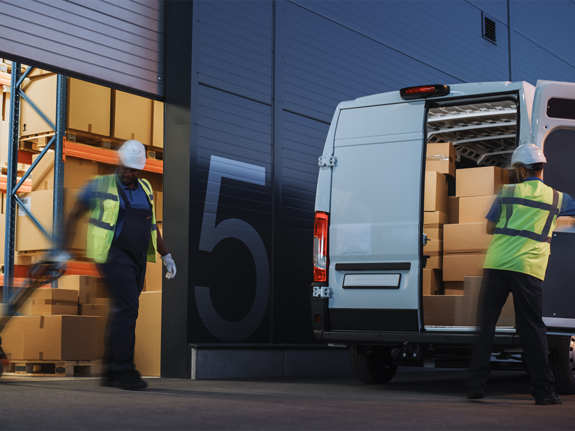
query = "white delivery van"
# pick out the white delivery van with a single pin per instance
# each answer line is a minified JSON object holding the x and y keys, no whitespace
{"x":369,"y":235}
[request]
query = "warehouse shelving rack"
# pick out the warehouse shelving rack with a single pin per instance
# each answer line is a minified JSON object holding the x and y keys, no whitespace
{"x":62,"y":149}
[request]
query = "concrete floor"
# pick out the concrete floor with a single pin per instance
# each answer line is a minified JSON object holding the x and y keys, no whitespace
{"x":415,"y":399}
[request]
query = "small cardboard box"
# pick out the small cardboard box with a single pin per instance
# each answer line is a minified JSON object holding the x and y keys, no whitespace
{"x":132,"y":117}
{"x":453,"y":288}
{"x":49,"y":301}
{"x":434,"y":232}
{"x":466,"y":238}
{"x":453,"y":209}
{"x":86,"y":287}
{"x":435,"y":218}
{"x":562,"y":223}
{"x":71,"y":338}
{"x":77,"y":172}
{"x":435,"y":198}
{"x":441,"y":158}
{"x":434,"y":262}
{"x":440,"y":310}
{"x":147,"y":352}
{"x":431,"y":281}
{"x":433,"y":248}
{"x":472,"y":289}
{"x":458,"y":266}
{"x":480,"y":181}
{"x":474,"y":209}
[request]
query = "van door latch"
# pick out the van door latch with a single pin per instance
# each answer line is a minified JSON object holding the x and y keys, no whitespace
{"x":325,"y":161}
{"x":321,"y":292}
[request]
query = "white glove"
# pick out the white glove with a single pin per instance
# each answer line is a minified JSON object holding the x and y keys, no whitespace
{"x":170,"y":266}
{"x":60,"y":257}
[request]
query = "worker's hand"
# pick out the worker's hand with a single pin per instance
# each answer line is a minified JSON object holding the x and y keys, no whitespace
{"x":60,"y":257}
{"x":170,"y":266}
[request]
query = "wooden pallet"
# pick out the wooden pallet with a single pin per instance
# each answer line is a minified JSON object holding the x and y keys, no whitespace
{"x":57,"y":368}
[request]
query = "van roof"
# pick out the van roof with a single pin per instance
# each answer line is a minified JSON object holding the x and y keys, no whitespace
{"x":475,"y":88}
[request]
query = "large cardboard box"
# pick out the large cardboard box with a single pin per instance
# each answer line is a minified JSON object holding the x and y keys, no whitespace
{"x":441,"y":158}
{"x":433,"y":248}
{"x":453,"y":210}
{"x":440,"y":310}
{"x":100,"y":309}
{"x":149,"y":334}
{"x":85,"y":286}
{"x":434,"y":262}
{"x":431,"y":281}
{"x":42,"y":91}
{"x":434,"y":218}
{"x":77,"y":172}
{"x":158,"y":124}
{"x":435,"y":198}
{"x":132,"y":117}
{"x":13,"y":337}
{"x":159,"y":205}
{"x":71,"y":338}
{"x":53,"y":301}
{"x":40,"y":203}
{"x":453,"y":288}
{"x":474,"y":209}
{"x":458,"y":266}
{"x":472,"y":289}
{"x":562,"y":223}
{"x":154,"y":276}
{"x":89,"y":107}
{"x":433,"y":232}
{"x":466,"y":238}
{"x":482,"y":181}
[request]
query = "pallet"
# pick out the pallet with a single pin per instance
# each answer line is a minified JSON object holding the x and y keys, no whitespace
{"x":57,"y":368}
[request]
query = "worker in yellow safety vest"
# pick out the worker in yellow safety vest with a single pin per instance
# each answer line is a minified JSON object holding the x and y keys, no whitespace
{"x":522,"y":221}
{"x":122,"y":238}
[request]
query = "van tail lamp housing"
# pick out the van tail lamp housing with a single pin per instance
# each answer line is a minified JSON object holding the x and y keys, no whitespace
{"x":320,"y":255}
{"x":424,"y":91}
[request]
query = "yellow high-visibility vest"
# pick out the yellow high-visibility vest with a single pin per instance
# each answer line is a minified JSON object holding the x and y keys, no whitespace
{"x":522,"y":238}
{"x":104,"y":215}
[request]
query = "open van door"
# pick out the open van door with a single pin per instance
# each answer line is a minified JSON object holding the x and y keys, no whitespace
{"x":553,"y":129}
{"x":375,"y":227}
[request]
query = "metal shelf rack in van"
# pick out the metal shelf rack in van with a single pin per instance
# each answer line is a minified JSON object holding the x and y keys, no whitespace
{"x":482,"y":132}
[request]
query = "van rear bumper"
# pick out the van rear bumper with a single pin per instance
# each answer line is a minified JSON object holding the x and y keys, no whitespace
{"x":392,"y":338}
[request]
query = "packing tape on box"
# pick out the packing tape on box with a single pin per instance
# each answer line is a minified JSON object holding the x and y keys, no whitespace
{"x":60,"y":302}
{"x":439,"y":158}
{"x":42,"y":322}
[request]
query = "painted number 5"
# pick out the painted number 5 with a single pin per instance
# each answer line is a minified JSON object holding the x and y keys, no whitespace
{"x":212,"y":234}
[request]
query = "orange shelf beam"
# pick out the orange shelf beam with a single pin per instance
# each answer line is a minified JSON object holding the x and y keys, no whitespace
{"x":24,"y":188}
{"x":72,"y":149}
{"x":73,"y":268}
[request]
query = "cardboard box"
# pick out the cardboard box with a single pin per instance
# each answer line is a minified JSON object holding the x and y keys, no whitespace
{"x":440,"y":310}
{"x":149,"y":334}
{"x":49,"y":301}
{"x":472,"y":289}
{"x":466,"y":238}
{"x":433,"y":248}
{"x":434,"y":232}
{"x":85,"y":286}
{"x":154,"y":276}
{"x":132,"y":117}
{"x":474,"y":209}
{"x":158,"y":124}
{"x":101,"y":310}
{"x":77,"y":172}
{"x":13,"y":337}
{"x":435,"y":198}
{"x":89,"y":107}
{"x":434,"y":218}
{"x":72,"y":338}
{"x":40,"y":203}
{"x":431,"y":281}
{"x":483,"y":181}
{"x":561,"y":223}
{"x":453,"y":288}
{"x":159,"y":205}
{"x":458,"y":266}
{"x":434,"y":262}
{"x":42,"y":91}
{"x":453,"y":209}
{"x":441,"y":158}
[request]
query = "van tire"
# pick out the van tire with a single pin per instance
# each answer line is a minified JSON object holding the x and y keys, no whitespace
{"x":371,"y":368}
{"x":562,"y":363}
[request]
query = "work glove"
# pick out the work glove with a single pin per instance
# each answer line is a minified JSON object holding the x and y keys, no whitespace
{"x":59,"y":257}
{"x":170,"y":266}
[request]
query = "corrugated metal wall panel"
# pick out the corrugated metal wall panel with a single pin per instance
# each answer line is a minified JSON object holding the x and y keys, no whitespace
{"x":532,"y":62}
{"x":325,"y":63}
{"x":445,"y":35}
{"x":236,"y":47}
{"x":121,"y":44}
{"x":496,"y":9}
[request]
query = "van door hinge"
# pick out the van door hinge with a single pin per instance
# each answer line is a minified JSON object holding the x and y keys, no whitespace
{"x":325,"y":161}
{"x":321,"y":292}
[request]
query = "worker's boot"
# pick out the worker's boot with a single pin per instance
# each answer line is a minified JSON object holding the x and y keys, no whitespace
{"x":554,"y":398}
{"x":130,"y":380}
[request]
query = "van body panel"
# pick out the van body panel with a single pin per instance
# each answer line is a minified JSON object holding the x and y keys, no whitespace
{"x":323,"y":190}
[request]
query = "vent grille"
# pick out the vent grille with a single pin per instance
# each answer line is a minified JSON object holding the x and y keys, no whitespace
{"x":489,"y":29}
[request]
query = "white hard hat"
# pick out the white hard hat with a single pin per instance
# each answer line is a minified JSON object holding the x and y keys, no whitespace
{"x":528,"y":155}
{"x":133,"y":154}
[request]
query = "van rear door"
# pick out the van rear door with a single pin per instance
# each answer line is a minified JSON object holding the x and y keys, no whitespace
{"x":376,"y":238}
{"x":553,"y":127}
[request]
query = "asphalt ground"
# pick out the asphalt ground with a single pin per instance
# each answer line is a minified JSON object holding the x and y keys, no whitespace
{"x":416,"y":399}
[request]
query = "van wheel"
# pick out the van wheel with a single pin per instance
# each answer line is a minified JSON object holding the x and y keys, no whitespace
{"x":562,"y":363}
{"x":371,"y":368}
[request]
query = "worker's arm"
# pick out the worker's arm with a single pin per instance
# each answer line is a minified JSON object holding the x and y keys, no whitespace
{"x":161,"y":246}
{"x":490,"y":227}
{"x":568,"y":206}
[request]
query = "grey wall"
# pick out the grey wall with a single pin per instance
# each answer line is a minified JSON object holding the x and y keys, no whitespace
{"x":116,"y":43}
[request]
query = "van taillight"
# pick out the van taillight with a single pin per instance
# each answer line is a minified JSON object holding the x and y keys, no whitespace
{"x":424,"y":91}
{"x":320,"y":256}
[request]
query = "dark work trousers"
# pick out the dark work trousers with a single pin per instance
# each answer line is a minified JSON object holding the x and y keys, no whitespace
{"x":124,"y":275}
{"x":528,"y":304}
